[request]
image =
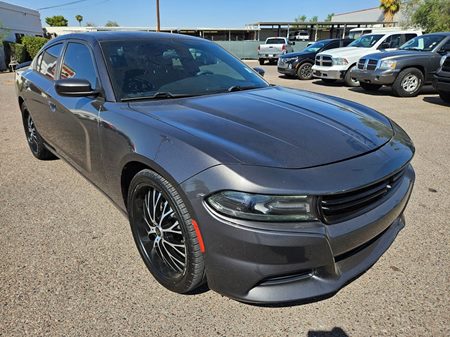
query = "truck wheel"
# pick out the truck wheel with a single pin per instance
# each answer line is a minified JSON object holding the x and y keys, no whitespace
{"x":370,"y":86}
{"x":304,"y":71}
{"x":349,"y":81}
{"x":408,"y":83}
{"x":261,"y":62}
{"x":445,"y":96}
{"x":328,"y":80}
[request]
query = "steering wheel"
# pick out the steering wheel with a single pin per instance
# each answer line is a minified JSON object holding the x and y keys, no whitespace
{"x":136,"y":85}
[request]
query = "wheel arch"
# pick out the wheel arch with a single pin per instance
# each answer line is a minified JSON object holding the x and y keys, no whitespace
{"x":421,"y":68}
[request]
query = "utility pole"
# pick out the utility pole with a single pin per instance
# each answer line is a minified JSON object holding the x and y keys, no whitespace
{"x":158,"y":23}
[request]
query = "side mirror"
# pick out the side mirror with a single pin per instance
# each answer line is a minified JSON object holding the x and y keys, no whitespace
{"x":260,"y":71}
{"x":74,"y":87}
{"x":444,"y":50}
{"x":385,"y":45}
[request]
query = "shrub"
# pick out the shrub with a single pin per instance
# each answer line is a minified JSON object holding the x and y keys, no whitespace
{"x":16,"y":51}
{"x":33,"y":44}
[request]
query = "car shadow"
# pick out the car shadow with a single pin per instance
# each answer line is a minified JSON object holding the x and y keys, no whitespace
{"x":387,"y":91}
{"x":333,"y":84}
{"x":335,"y":332}
{"x":435,"y":100}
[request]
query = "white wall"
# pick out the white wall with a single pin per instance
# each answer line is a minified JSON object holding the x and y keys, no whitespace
{"x":16,"y":19}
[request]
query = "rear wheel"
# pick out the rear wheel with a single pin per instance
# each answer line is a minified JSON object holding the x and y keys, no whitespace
{"x":370,"y":86}
{"x":445,"y":96}
{"x":408,"y":83}
{"x":261,"y":62}
{"x":34,"y":139}
{"x":164,"y":233}
{"x":349,"y":81}
{"x":304,"y":71}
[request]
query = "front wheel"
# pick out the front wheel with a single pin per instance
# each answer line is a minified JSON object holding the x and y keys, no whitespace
{"x":261,"y":62}
{"x":408,"y":83}
{"x":304,"y":71}
{"x":349,"y":81}
{"x":370,"y":86}
{"x":164,"y":232}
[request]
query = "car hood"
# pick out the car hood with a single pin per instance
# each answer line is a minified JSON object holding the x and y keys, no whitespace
{"x":298,"y":54}
{"x":399,"y":54}
{"x":349,"y":52}
{"x":273,"y":126}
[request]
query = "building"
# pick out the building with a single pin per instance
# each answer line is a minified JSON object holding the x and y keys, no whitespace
{"x":374,"y":14}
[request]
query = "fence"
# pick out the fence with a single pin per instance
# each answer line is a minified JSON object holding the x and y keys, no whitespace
{"x":249,"y":49}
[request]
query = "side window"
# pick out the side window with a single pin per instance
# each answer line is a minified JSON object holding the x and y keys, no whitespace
{"x":38,"y":62}
{"x":345,"y":43}
{"x":446,"y":46}
{"x":48,"y":60}
{"x":334,"y":44}
{"x":395,"y":41}
{"x":409,"y":37}
{"x":78,"y":63}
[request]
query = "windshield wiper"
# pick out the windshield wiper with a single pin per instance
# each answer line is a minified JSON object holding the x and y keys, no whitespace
{"x":157,"y":95}
{"x":239,"y":88}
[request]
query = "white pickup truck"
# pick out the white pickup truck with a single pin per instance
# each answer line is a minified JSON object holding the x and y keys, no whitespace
{"x":273,"y":48}
{"x":336,"y":64}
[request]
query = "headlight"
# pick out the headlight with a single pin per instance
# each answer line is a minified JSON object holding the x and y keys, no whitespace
{"x":388,"y":64}
{"x":441,"y":63}
{"x":339,"y":61}
{"x":260,"y":207}
{"x":289,"y":59}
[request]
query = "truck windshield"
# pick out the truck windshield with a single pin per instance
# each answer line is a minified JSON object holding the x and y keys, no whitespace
{"x":275,"y":41}
{"x":163,"y":68}
{"x":366,"y":41}
{"x":423,"y":43}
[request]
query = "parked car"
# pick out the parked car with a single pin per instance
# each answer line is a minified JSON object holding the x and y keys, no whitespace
{"x":300,"y":64}
{"x":441,"y":80}
{"x":406,"y":69}
{"x":273,"y":48}
{"x":355,"y":33}
{"x":224,"y":178}
{"x":337,"y":64}
{"x":302,"y":35}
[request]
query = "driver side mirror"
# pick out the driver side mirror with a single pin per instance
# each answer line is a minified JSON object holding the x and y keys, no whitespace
{"x":74,"y":87}
{"x":260,"y":71}
{"x":444,"y":50}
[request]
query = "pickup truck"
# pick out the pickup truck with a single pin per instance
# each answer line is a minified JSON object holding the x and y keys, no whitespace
{"x":336,"y":64}
{"x":406,"y":69}
{"x":441,"y":80}
{"x":273,"y":48}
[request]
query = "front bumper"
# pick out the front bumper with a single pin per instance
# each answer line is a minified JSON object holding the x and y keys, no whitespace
{"x":377,"y":76}
{"x":332,"y":73}
{"x":269,"y":56}
{"x":287,"y":69}
{"x":272,"y":263}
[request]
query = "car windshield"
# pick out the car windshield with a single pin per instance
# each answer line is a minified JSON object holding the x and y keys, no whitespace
{"x":423,"y":43}
{"x":366,"y":41}
{"x":168,"y":68}
{"x":314,"y":47}
{"x":275,"y":41}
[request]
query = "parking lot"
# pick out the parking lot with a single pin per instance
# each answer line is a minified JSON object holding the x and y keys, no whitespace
{"x":69,"y":265}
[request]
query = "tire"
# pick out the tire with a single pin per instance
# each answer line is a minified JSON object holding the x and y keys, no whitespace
{"x":370,"y":86}
{"x":164,"y":234}
{"x":328,"y":80}
{"x":34,"y":139}
{"x":445,"y":96}
{"x":408,"y":83}
{"x":261,"y":62}
{"x":304,"y":71}
{"x":348,"y":78}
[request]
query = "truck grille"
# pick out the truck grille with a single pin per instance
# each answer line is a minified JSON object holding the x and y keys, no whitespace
{"x":446,"y":65}
{"x":340,"y":207}
{"x":367,"y":64}
{"x":324,"y":61}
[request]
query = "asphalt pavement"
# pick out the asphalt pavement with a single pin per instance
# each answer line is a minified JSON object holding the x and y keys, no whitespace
{"x":69,"y":266}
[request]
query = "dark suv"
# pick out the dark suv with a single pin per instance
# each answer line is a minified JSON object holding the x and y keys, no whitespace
{"x":441,"y":80}
{"x":299,"y":64}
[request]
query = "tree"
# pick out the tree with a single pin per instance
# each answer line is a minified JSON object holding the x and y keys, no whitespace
{"x":111,"y":24}
{"x":390,"y":8}
{"x":79,"y":18}
{"x":432,"y":15}
{"x":90,"y":24}
{"x":329,"y":17}
{"x":56,"y":21}
{"x":300,"y":18}
{"x":314,"y":19}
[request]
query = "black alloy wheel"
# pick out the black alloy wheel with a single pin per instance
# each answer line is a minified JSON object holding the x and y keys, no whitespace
{"x":164,"y":234}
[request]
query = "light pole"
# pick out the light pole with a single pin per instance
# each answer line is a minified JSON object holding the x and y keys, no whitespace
{"x":158,"y":24}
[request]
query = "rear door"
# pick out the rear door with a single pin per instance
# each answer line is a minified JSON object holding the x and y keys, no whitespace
{"x":76,"y":118}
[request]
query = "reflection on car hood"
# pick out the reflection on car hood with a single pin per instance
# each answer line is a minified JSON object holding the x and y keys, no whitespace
{"x":398,"y":54}
{"x":298,"y":54}
{"x":274,"y":126}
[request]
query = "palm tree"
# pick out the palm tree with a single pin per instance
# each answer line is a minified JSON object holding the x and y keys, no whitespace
{"x":79,"y":18}
{"x":389,"y":7}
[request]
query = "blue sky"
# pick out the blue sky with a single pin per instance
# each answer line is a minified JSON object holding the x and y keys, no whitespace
{"x":193,"y":13}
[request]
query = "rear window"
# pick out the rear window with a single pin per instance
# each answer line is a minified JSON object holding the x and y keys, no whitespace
{"x":275,"y":41}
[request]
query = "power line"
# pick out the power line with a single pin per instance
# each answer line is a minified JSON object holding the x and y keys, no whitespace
{"x":61,"y":5}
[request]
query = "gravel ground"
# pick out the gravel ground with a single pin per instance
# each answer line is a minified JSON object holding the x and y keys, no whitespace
{"x":69,"y":266}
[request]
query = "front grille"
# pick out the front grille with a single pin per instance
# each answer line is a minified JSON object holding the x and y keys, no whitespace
{"x":343,"y":206}
{"x":446,"y":64}
{"x":361,"y":63}
{"x":324,"y":61}
{"x":367,"y":64}
{"x":371,"y":65}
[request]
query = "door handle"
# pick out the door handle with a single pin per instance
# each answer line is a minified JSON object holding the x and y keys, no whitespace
{"x":52,"y":106}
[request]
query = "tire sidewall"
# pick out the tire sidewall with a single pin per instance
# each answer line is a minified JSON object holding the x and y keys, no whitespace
{"x":299,"y":69}
{"x":397,"y":87}
{"x":348,"y":78}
